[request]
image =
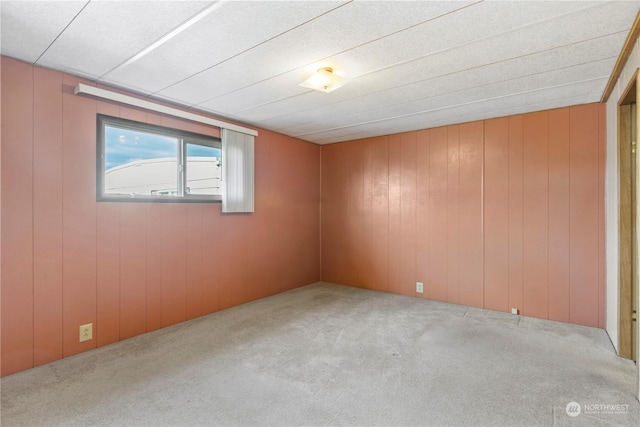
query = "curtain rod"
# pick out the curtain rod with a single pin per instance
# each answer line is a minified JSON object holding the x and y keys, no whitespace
{"x":136,"y":102}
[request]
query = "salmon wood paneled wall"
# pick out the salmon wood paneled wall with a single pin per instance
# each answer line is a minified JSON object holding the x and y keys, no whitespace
{"x":500,"y":214}
{"x":130,"y":268}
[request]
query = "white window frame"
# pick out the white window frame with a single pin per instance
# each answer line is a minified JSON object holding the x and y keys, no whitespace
{"x":184,"y":138}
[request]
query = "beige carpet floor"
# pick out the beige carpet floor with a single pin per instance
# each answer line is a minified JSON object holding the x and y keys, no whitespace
{"x":327,"y":354}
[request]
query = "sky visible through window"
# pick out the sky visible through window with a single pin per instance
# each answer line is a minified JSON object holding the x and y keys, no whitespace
{"x":124,"y":146}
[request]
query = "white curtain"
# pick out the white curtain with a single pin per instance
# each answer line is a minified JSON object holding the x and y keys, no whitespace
{"x":237,"y":171}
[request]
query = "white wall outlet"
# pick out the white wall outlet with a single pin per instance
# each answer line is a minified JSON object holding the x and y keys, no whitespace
{"x":514,"y":311}
{"x":86,"y":332}
{"x":419,"y":287}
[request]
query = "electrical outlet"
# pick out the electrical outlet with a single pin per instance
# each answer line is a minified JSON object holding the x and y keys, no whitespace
{"x":419,"y":287}
{"x":86,"y":332}
{"x":514,"y":311}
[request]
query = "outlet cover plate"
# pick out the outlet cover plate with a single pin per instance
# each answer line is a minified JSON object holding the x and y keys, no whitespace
{"x":419,"y":287}
{"x":86,"y":332}
{"x":514,"y":311}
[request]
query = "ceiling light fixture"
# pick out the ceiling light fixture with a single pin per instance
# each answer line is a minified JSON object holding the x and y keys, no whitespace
{"x":324,"y":80}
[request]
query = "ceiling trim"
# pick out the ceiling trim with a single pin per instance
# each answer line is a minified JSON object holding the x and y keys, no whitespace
{"x":136,"y":102}
{"x":634,"y":33}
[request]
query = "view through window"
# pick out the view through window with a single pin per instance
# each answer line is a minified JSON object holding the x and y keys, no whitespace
{"x":141,"y":161}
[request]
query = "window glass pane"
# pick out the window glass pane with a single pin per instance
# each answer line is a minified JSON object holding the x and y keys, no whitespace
{"x":140,"y":163}
{"x":203,"y":170}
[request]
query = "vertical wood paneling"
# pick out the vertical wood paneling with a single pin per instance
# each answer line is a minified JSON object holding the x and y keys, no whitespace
{"x":380,"y":213}
{"x":394,"y":212}
{"x":154,"y":230}
{"x":559,"y":215}
{"x":453,"y":219}
{"x":334,"y":203}
{"x":307,"y":225}
{"x":194,"y":261}
{"x":211,"y":259}
{"x":17,"y":217}
{"x":174,"y":265}
{"x":79,"y":216}
{"x":107,"y":328}
{"x":516,"y":213}
{"x":330,"y":212}
{"x":471,"y":246}
{"x":261,"y":275}
{"x":394,"y":209}
{"x":282,"y":177}
{"x":137,"y":115}
{"x":422,"y":210}
{"x":584,"y":194}
{"x":367,"y":224}
{"x":232,"y":266}
{"x":408,"y":194}
{"x":487,"y":220}
{"x":47,"y":216}
{"x":438,"y":218}
{"x":496,"y":214}
{"x":536,"y":214}
{"x":133,"y":269}
{"x":355,"y":213}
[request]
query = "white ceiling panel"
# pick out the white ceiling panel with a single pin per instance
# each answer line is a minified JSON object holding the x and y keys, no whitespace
{"x":107,"y":33}
{"x":367,"y":58}
{"x":522,"y":87}
{"x":411,"y":64}
{"x":489,"y":50}
{"x":28,"y":28}
{"x":490,"y":109}
{"x":416,"y":120}
{"x":226,"y":32}
{"x":474,"y":93}
{"x":261,"y":94}
{"x":339,"y":30}
{"x":391,"y":89}
{"x":482,"y":21}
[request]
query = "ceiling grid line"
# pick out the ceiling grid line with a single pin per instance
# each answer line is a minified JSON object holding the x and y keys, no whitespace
{"x":177,"y":30}
{"x":345,"y":51}
{"x":457,"y":105}
{"x":61,"y":32}
{"x":415,"y":58}
{"x":409,"y":64}
{"x":467,"y":70}
{"x":251,"y":48}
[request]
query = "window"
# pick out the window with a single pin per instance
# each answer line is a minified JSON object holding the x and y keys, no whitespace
{"x":143,"y":162}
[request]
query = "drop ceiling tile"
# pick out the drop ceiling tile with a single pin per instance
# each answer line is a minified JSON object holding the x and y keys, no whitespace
{"x":414,"y":64}
{"x":227,"y":31}
{"x":344,"y":28}
{"x":482,"y":21}
{"x":107,"y":33}
{"x":481,"y":67}
{"x":282,"y":87}
{"x":453,"y":115}
{"x":425,"y":119}
{"x":525,"y":85}
{"x":28,"y":28}
{"x":384,"y":89}
{"x":402,"y":46}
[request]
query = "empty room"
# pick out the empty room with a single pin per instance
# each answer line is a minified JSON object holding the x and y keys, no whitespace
{"x":287,"y":213}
